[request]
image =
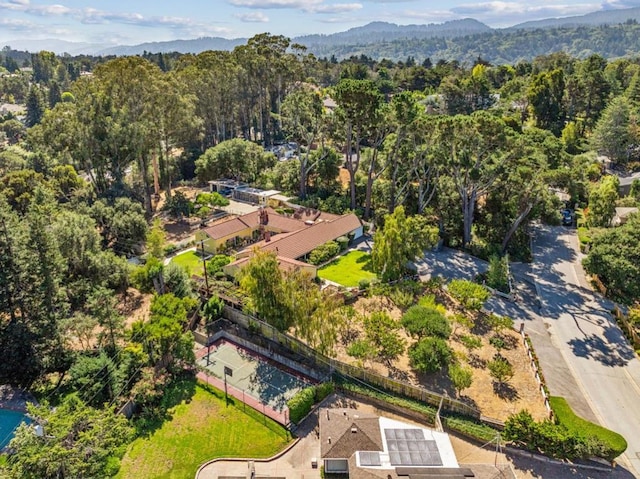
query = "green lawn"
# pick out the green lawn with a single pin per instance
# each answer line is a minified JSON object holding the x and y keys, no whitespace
{"x":349,"y":269}
{"x":199,"y":429}
{"x":565,"y":415}
{"x":190,"y":261}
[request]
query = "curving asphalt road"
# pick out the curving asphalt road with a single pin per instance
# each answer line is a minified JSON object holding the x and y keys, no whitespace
{"x":598,"y":355}
{"x":584,"y":355}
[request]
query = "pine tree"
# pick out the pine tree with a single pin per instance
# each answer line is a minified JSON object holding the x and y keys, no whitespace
{"x":35,"y":107}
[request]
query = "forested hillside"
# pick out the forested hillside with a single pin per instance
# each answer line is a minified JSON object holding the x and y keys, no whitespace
{"x":470,"y":152}
{"x":502,"y":47}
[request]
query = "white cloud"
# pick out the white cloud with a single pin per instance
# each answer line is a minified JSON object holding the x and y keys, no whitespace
{"x":335,"y":8}
{"x":339,"y":19}
{"x":500,"y":13}
{"x":268,"y":4}
{"x":15,"y":24}
{"x":253,"y":17}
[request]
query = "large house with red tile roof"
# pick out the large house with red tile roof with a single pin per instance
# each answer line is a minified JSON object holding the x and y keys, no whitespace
{"x":290,"y":237}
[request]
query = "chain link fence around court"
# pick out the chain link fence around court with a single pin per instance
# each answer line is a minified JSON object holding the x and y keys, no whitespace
{"x":253,"y":378}
{"x":281,"y":417}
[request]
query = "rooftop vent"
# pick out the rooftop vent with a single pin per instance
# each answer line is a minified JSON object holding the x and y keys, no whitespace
{"x":354,"y":430}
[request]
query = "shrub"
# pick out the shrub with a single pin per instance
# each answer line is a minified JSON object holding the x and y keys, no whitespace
{"x":402,"y":299}
{"x":557,"y":440}
{"x":461,"y":377}
{"x":216,"y":264}
{"x":343,"y":242}
{"x":497,"y":342}
{"x":498,"y":273}
{"x":170,"y":249}
{"x":361,"y":349}
{"x":471,"y":341}
{"x":422,"y":321}
{"x":212,"y":309}
{"x":323,"y":390}
{"x":500,"y":369}
{"x":300,"y":404}
{"x":499,"y":323}
{"x":429,"y":301}
{"x":430,"y":355}
{"x":324,"y":253}
{"x":381,"y":330}
{"x":471,"y":295}
{"x":363,"y":284}
{"x":584,"y":236}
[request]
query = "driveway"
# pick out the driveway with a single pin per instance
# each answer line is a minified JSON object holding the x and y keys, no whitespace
{"x":587,"y":337}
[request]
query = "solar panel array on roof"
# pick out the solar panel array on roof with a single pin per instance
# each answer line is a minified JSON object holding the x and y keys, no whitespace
{"x":369,"y":458}
{"x":408,"y":447}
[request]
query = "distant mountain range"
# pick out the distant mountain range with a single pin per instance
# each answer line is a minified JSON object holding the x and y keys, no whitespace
{"x":388,"y":39}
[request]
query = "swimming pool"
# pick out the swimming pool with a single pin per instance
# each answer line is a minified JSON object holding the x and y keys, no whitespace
{"x":9,"y":420}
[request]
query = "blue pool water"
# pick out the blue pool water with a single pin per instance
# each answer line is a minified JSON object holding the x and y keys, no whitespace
{"x":9,"y":420}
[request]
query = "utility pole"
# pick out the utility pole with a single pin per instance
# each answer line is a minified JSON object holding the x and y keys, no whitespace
{"x":204,"y":267}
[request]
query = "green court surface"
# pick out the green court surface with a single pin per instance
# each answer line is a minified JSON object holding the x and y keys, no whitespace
{"x":252,"y":374}
{"x":9,"y":421}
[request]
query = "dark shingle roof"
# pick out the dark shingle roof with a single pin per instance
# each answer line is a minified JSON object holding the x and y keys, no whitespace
{"x":337,"y":439}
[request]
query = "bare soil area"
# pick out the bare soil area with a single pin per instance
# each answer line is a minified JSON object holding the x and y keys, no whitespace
{"x":134,"y":306}
{"x":179,"y":230}
{"x":521,"y":392}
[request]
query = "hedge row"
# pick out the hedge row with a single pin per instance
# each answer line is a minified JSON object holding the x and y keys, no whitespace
{"x":324,"y":253}
{"x":464,"y":425}
{"x":300,"y":404}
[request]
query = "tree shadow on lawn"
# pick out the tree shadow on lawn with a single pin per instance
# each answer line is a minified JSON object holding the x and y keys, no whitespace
{"x":368,"y":263}
{"x":183,"y":388}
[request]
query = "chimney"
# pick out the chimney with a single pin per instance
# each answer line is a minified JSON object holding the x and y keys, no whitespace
{"x":267,"y":236}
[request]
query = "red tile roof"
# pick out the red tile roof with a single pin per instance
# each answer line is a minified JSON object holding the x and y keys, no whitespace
{"x":302,"y":242}
{"x":251,"y":220}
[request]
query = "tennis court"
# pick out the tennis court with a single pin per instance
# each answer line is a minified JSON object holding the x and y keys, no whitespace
{"x":251,"y":375}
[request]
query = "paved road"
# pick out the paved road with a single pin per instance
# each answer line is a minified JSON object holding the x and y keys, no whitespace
{"x":453,"y":264}
{"x":583,"y":354}
{"x":586,"y":336}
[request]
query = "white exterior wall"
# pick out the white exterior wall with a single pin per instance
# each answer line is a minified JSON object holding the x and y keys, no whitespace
{"x":336,"y":465}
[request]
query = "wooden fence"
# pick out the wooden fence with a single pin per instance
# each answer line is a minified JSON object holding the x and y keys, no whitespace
{"x":330,"y":365}
{"x":629,"y":329}
{"x":537,"y":371}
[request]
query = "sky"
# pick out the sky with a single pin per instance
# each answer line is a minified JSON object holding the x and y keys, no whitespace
{"x":131,"y":22}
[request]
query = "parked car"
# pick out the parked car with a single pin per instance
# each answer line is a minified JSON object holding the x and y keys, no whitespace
{"x":567,"y":218}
